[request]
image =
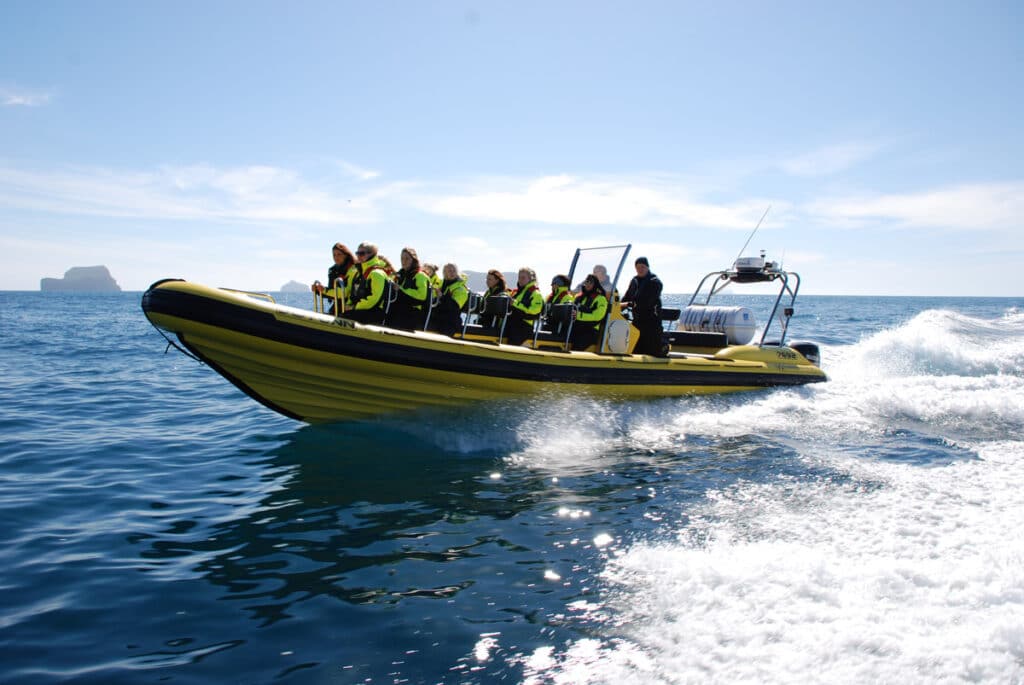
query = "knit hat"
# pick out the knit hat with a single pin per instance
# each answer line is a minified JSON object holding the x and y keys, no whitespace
{"x":642,"y":260}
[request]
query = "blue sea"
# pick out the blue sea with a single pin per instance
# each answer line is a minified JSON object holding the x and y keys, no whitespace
{"x":160,"y":526}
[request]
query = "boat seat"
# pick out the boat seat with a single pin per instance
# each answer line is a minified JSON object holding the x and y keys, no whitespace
{"x":670,"y":314}
{"x":556,"y":321}
{"x":498,"y":305}
{"x":477,"y":329}
{"x":545,"y":335}
{"x":388,"y":297}
{"x":695,"y":339}
{"x":560,"y":313}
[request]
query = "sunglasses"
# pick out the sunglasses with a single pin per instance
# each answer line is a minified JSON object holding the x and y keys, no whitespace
{"x":362,"y":253}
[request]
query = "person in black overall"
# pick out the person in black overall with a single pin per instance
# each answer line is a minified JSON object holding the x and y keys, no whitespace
{"x":644,"y":297}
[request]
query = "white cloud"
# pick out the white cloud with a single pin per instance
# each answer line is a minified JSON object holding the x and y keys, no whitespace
{"x":998,"y":206}
{"x":357,"y":172}
{"x":567,"y":200}
{"x":829,"y":159}
{"x":477,"y":223}
{"x":17,"y":97}
{"x":254,"y":193}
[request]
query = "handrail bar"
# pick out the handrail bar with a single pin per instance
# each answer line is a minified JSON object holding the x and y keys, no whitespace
{"x":472,"y":302}
{"x":259,"y":296}
{"x":724,"y":278}
{"x":434,"y":298}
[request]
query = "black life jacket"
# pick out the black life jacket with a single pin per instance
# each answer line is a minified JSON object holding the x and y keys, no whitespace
{"x":337,"y":271}
{"x":406,"y":279}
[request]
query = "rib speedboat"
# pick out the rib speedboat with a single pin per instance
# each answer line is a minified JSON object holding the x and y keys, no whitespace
{"x":315,"y":367}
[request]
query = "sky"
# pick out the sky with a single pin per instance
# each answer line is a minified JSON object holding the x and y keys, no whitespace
{"x":232,"y":143}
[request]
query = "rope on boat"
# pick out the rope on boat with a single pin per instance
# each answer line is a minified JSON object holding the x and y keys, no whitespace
{"x":171,"y":343}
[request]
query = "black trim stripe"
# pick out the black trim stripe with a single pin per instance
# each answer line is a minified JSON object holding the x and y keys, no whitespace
{"x":262,"y":324}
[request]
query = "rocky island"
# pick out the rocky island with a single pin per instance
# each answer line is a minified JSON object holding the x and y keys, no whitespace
{"x":294,"y":287}
{"x":477,"y":280}
{"x":94,"y":279}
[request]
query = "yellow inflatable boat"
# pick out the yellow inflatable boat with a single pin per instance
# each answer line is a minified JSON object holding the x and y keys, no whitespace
{"x":314,"y":367}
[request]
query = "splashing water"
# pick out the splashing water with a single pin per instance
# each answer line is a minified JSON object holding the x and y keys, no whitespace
{"x":898,"y":559}
{"x":865,"y":529}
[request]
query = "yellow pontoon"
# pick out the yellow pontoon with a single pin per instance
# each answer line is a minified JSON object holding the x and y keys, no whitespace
{"x":314,"y":367}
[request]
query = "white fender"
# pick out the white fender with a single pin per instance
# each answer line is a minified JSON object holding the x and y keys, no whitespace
{"x":619,"y":332}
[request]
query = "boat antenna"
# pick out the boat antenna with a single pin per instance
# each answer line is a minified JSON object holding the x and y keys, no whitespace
{"x":753,"y":232}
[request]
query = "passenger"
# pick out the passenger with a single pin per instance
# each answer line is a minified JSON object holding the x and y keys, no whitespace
{"x":591,"y":308}
{"x":644,"y":297}
{"x":454,"y":293}
{"x":410,"y":308}
{"x":495,"y":288}
{"x":433,"y":275}
{"x":606,"y":282}
{"x":368,"y":287}
{"x":527,"y":304}
{"x":559,"y":290}
{"x":343,"y":261}
{"x":559,"y":295}
{"x":389,"y":268}
{"x":350,"y":278}
{"x":601,"y":271}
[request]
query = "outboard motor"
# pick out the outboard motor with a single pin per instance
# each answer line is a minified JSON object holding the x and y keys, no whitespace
{"x":809,"y":350}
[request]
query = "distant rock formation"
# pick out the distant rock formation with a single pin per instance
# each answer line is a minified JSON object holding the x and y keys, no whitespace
{"x":294,"y":287}
{"x":477,"y":280}
{"x":96,"y":279}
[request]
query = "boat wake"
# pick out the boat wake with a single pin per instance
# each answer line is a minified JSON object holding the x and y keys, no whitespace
{"x":940,"y":342}
{"x":895,"y":556}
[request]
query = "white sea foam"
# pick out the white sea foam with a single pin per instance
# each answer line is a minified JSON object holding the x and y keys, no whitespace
{"x":565,"y":435}
{"x":880,"y":571}
{"x":919,"y":578}
{"x":937,"y":342}
{"x":941,"y":368}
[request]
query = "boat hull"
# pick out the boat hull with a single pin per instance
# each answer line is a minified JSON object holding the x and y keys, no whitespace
{"x":314,"y":368}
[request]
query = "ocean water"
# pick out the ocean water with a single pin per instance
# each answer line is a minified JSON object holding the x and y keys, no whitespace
{"x":159,"y":526}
